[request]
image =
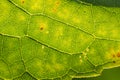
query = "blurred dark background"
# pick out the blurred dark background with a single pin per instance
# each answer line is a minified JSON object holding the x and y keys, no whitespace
{"x":108,"y":74}
{"x":108,"y":3}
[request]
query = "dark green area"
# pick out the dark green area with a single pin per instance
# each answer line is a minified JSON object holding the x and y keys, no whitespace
{"x":25,"y":76}
{"x":110,"y":74}
{"x":108,"y":3}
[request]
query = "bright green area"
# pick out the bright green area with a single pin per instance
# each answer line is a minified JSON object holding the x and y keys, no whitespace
{"x":57,"y":39}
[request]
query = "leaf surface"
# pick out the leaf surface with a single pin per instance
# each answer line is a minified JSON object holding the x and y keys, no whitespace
{"x":58,"y":39}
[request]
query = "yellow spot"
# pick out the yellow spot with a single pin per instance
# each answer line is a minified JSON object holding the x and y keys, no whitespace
{"x":34,"y":6}
{"x":22,"y":1}
{"x":114,"y":33}
{"x":65,"y":13}
{"x":87,"y":50}
{"x":80,"y":57}
{"x":58,"y":66}
{"x":53,"y":60}
{"x":37,"y":4}
{"x":82,"y":37}
{"x":76,"y":20}
{"x":50,"y":68}
{"x":47,"y":32}
{"x":50,"y":2}
{"x":21,"y":17}
{"x":56,"y":5}
{"x":43,"y":46}
{"x":38,"y":64}
{"x":59,"y":32}
{"x":84,"y":54}
{"x":67,"y":42}
{"x":102,"y":32}
{"x":81,"y":60}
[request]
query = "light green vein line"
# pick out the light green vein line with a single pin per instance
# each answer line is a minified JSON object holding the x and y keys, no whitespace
{"x":47,"y":45}
{"x":12,"y":36}
{"x":7,"y":67}
{"x":1,"y":45}
{"x":28,"y":24}
{"x":4,"y":61}
{"x":48,"y":78}
{"x":107,"y":39}
{"x":44,"y":15}
{"x":9,"y":16}
{"x":114,"y":61}
{"x":18,"y":76}
{"x":21,"y":54}
{"x":68,"y":24}
{"x":19,"y":7}
{"x":21,"y":73}
{"x":82,"y":2}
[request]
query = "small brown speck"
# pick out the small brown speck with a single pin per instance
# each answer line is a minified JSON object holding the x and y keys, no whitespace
{"x":114,"y":61}
{"x":84,"y":11}
{"x":57,"y":3}
{"x":118,"y":54}
{"x":113,"y":55}
{"x":23,"y":1}
{"x":41,"y":28}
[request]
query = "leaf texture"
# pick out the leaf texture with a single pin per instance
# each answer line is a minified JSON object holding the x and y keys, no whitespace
{"x":58,"y":39}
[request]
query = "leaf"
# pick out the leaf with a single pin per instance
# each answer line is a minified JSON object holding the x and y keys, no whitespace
{"x":57,"y":39}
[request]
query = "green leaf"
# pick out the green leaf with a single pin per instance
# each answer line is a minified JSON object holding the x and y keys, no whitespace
{"x":58,"y":39}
